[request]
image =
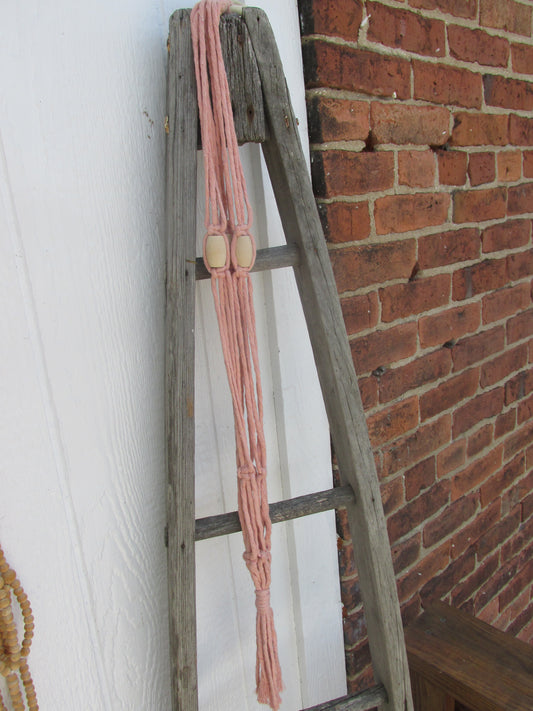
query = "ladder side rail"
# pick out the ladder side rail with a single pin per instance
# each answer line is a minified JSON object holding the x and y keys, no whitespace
{"x":316,"y":284}
{"x":179,"y":366}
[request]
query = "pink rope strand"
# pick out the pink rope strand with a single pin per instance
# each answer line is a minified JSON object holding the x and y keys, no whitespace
{"x":228,"y":215}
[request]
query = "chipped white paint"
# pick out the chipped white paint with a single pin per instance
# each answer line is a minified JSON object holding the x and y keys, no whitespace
{"x":81,"y":380}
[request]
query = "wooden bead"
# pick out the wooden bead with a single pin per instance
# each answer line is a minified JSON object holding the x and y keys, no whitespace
{"x":244,"y":251}
{"x":216,"y":253}
{"x":9,"y":576}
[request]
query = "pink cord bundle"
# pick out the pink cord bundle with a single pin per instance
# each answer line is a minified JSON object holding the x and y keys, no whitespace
{"x":229,"y":254}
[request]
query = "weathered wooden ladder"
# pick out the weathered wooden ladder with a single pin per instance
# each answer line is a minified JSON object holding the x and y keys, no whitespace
{"x":263,"y":113}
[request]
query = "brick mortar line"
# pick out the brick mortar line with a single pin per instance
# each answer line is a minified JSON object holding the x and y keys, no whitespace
{"x":354,"y":649}
{"x":351,"y":610}
{"x":446,"y":19}
{"x":436,"y":187}
{"x":401,"y":189}
{"x":358,"y":146}
{"x":458,"y":266}
{"x":413,"y":318}
{"x":424,"y":552}
{"x":331,"y":92}
{"x":396,"y":169}
{"x":345,"y":543}
{"x":427,"y":387}
{"x":428,"y":551}
{"x":399,"y":53}
{"x":404,"y":189}
{"x":501,"y":613}
{"x":350,"y":146}
{"x":407,"y":55}
{"x":374,"y":240}
{"x":453,"y":303}
{"x":500,"y":619}
{"x":357,"y":199}
{"x":423,"y":389}
{"x":478,"y":391}
{"x":464,"y":436}
{"x":363,"y":27}
{"x":364,"y":638}
{"x":424,"y":231}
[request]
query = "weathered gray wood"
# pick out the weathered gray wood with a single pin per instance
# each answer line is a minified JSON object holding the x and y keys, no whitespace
{"x":221,"y":525}
{"x":286,"y":255}
{"x":243,"y":80}
{"x":364,"y":701}
{"x":181,"y":253}
{"x":316,"y":284}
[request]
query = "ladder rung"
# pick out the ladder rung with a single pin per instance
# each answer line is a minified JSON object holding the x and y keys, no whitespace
{"x":286,"y":255}
{"x":363,"y":701}
{"x":222,"y":524}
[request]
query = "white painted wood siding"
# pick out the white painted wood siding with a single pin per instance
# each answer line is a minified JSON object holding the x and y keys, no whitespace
{"x":82,"y":478}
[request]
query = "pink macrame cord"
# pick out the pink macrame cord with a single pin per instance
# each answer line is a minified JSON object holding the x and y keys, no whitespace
{"x":228,"y":217}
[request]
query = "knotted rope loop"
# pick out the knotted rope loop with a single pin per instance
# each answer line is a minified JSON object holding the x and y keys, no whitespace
{"x":266,"y":556}
{"x":246,"y":471}
{"x":250,"y":558}
{"x":262,"y":600}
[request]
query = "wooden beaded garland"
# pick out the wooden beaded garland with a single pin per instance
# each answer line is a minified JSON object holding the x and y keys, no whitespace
{"x":13,"y":663}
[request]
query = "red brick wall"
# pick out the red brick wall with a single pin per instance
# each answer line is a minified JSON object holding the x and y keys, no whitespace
{"x":421,"y":131}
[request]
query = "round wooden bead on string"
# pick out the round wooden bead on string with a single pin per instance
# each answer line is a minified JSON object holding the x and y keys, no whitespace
{"x":13,"y":663}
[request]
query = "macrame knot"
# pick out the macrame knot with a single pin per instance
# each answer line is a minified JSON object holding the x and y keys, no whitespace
{"x":266,"y":556}
{"x":262,"y":600}
{"x":250,"y":558}
{"x":245,"y":472}
{"x":240,"y":272}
